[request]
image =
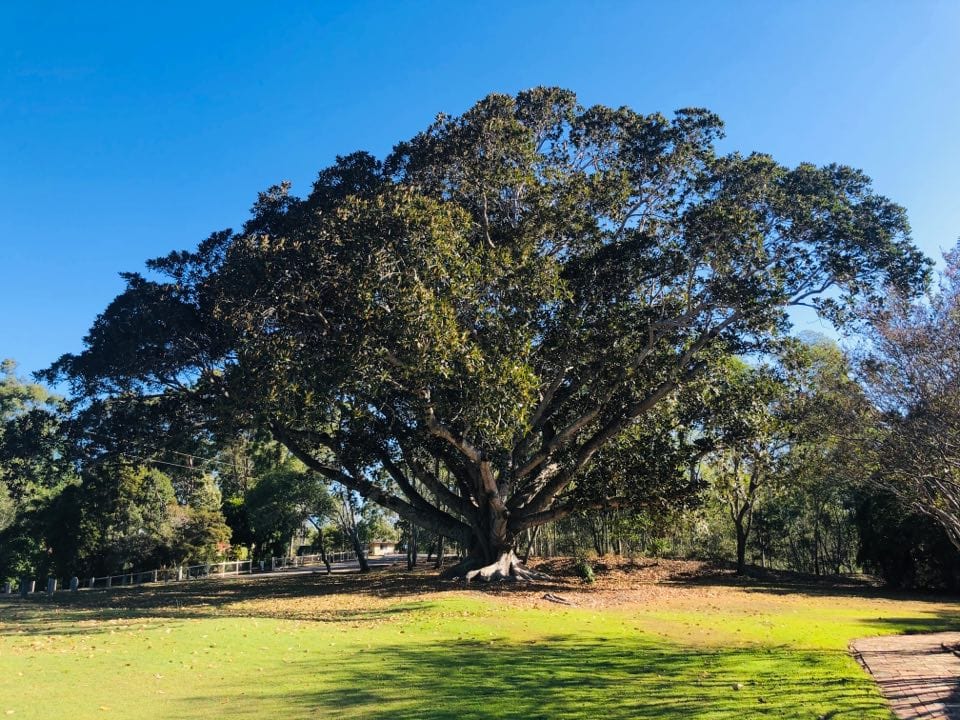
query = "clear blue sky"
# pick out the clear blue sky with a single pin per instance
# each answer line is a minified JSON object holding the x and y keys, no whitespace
{"x":131,"y":129}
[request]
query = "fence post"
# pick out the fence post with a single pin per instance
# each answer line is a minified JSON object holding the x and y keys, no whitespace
{"x":109,"y":581}
{"x":179,"y":572}
{"x":92,"y":582}
{"x":74,"y":584}
{"x":154,"y":576}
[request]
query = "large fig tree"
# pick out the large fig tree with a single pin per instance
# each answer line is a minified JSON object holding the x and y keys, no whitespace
{"x":460,"y":331}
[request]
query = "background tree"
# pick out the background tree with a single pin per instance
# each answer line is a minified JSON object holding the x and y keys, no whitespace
{"x":200,"y":531}
{"x":36,"y":466}
{"x":17,"y":396}
{"x":34,"y":460}
{"x":507,"y":294}
{"x":751,"y":436}
{"x":905,"y":547}
{"x":7,"y":509}
{"x":787,"y":461}
{"x":911,"y":369}
{"x":282,"y":501}
{"x":116,"y":517}
{"x":823,"y":413}
{"x":347,"y":515}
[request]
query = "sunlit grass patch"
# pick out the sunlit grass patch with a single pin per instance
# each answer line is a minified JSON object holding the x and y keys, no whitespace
{"x":730,"y":652}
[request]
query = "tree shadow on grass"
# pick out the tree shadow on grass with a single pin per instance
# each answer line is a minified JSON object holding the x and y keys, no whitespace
{"x":254,"y":596}
{"x":70,"y":613}
{"x":934,"y":622}
{"x":563,"y":677}
{"x":382,"y":582}
{"x":24,"y":620}
{"x":792,"y":583}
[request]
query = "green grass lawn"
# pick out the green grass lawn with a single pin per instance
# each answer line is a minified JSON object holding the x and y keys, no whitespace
{"x":318,"y":647}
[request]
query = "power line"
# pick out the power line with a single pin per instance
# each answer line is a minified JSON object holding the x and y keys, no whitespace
{"x":203,"y":460}
{"x":159,"y":462}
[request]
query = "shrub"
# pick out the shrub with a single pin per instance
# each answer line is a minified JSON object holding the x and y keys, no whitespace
{"x":585,"y":570}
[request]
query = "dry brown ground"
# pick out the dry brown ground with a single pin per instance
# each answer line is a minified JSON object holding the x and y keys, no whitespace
{"x":619,"y":583}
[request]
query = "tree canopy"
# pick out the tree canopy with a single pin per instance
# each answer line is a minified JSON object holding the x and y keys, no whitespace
{"x":460,"y":330}
{"x":910,"y":365}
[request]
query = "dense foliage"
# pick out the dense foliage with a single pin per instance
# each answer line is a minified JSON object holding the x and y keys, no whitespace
{"x":910,"y":366}
{"x":905,"y":547}
{"x":461,"y":331}
{"x":536,"y":327}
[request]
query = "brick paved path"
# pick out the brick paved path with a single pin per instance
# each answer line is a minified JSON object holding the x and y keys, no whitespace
{"x":919,"y":678}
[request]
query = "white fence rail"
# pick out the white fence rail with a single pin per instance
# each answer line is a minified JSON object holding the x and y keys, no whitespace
{"x":181,"y":573}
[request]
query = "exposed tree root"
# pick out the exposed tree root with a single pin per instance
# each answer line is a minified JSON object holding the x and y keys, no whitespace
{"x":507,"y":567}
{"x":458,"y":571}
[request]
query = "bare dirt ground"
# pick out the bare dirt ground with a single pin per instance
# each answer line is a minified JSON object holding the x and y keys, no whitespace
{"x":619,"y":583}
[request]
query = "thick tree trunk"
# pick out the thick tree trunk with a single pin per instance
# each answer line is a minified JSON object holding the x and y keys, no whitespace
{"x":492,"y":553}
{"x":741,"y":551}
{"x":412,"y":540}
{"x":506,"y":566}
{"x":816,"y":544}
{"x":742,"y":521}
{"x":358,"y":551}
{"x":323,"y":549}
{"x":840,"y":545}
{"x":533,"y":538}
